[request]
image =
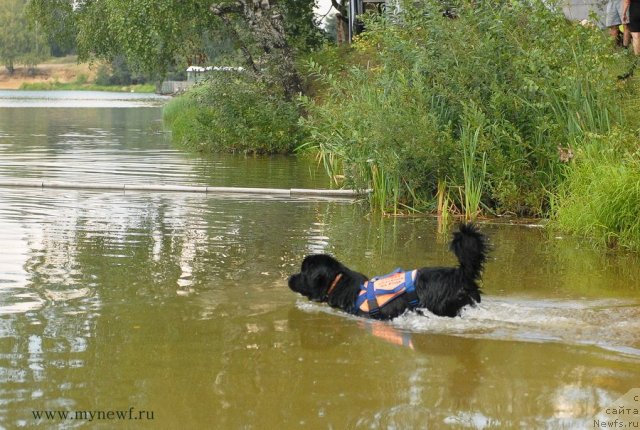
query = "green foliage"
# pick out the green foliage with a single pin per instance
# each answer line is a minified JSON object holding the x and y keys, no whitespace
{"x":303,"y":32}
{"x":601,"y":197}
{"x":233,"y":113}
{"x":13,"y":32}
{"x":81,"y":85}
{"x":152,"y":35}
{"x":156,"y":36}
{"x":19,"y":42}
{"x":118,"y":73}
{"x":57,"y":19}
{"x":403,"y":106}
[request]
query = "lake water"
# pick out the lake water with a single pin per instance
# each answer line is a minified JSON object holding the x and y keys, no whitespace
{"x":170,"y":310}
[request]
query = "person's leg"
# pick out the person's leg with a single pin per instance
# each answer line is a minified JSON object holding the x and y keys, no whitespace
{"x":615,"y":14}
{"x":613,"y":32}
{"x":626,"y":36}
{"x":636,"y":42}
{"x":634,"y":26}
{"x":613,"y":19}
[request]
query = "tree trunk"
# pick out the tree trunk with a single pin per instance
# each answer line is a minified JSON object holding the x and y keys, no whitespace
{"x":266,"y":24}
{"x":342,"y":21}
{"x":342,"y":29}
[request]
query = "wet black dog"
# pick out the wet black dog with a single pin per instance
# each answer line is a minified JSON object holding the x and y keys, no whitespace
{"x":443,"y":291}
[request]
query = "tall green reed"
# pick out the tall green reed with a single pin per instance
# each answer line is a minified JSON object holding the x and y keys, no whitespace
{"x":474,"y":174}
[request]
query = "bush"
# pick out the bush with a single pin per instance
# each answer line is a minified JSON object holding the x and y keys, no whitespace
{"x":601,"y":197}
{"x":118,"y":74}
{"x":233,"y":113}
{"x":515,"y":75}
{"x":81,"y":79}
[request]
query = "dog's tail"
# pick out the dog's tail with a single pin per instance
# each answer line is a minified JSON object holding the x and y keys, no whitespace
{"x":471,"y":248}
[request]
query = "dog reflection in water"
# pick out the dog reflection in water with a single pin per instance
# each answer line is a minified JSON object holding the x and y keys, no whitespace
{"x":388,"y":333}
{"x":322,"y":333}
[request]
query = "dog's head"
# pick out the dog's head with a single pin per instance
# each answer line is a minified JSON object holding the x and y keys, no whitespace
{"x":316,"y":275}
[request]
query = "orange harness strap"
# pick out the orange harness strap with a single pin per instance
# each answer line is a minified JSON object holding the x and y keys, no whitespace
{"x":380,"y":291}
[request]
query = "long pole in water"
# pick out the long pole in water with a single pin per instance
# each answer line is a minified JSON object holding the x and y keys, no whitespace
{"x":18,"y":183}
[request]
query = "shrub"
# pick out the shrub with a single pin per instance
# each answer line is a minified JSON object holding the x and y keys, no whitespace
{"x":232,"y":113}
{"x":118,"y":73}
{"x":515,"y":75}
{"x":81,"y":79}
{"x":601,"y":197}
{"x":103,"y":75}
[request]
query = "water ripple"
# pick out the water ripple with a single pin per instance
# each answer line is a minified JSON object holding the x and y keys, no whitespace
{"x":609,"y":324}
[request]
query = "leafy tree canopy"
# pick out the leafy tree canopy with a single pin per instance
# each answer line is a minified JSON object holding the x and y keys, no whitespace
{"x":155,"y":35}
{"x":151,"y":34}
{"x":18,"y":40}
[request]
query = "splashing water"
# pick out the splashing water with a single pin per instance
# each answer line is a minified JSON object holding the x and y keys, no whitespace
{"x":610,"y":324}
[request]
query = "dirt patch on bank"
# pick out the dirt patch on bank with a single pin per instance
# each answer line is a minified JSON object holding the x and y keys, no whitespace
{"x":47,"y":72}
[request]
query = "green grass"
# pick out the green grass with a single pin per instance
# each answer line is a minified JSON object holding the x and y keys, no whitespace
{"x":414,"y":105}
{"x":234,"y":113}
{"x":473,"y":174}
{"x":601,"y":198}
{"x":76,"y":86}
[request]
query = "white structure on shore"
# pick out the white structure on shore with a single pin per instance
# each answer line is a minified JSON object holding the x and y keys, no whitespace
{"x":196,"y":74}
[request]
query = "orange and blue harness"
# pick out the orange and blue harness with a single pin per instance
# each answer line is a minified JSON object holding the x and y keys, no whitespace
{"x":381,"y":290}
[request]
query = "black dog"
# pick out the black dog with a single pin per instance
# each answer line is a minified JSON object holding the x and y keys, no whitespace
{"x":442,"y":290}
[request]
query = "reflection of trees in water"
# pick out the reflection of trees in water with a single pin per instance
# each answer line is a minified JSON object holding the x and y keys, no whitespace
{"x":65,"y":130}
{"x":540,"y":261}
{"x":185,"y":304}
{"x":112,"y":271}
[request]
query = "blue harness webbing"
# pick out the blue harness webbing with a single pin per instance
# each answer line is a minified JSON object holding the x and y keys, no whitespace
{"x":369,"y":293}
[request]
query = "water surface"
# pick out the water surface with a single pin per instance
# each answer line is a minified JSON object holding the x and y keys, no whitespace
{"x":177,"y":304}
{"x":125,"y":143}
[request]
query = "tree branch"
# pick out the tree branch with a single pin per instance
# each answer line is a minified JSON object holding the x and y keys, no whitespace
{"x":341,"y":8}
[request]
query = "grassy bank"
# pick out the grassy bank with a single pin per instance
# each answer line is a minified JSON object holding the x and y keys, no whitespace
{"x":233,"y":113}
{"x":474,"y":115}
{"x":414,"y":99}
{"x":78,"y":86}
{"x":65,"y":73}
{"x":471,"y":116}
{"x":601,"y":197}
{"x":65,"y":69}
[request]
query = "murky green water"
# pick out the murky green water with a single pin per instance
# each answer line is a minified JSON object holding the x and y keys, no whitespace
{"x":176,"y":305}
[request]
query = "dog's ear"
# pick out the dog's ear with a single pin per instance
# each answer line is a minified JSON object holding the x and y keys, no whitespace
{"x":318,"y":282}
{"x":307,"y":263}
{"x":318,"y":271}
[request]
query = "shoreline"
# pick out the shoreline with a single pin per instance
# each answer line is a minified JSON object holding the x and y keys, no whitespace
{"x":61,"y":86}
{"x":67,"y":71}
{"x":62,"y":74}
